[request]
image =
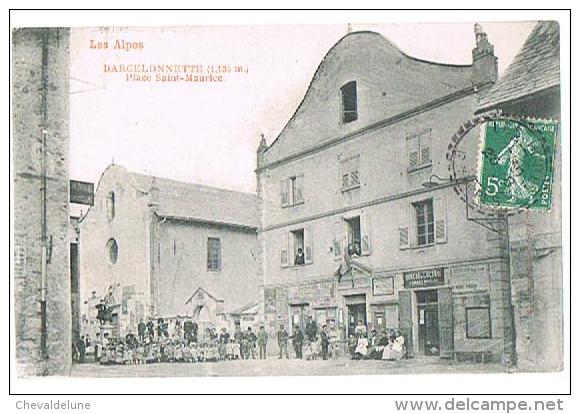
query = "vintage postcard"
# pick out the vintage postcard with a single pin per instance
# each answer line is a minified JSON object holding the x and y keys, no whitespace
{"x":283,"y":200}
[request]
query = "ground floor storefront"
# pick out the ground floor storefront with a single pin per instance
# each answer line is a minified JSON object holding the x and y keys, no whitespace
{"x":459,"y":311}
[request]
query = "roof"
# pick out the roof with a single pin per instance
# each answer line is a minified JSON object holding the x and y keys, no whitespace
{"x":249,"y":309}
{"x":385,"y":70}
{"x":206,"y":294}
{"x":188,"y":201}
{"x":535,"y":68}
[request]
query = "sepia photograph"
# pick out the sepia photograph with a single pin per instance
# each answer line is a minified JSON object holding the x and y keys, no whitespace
{"x":264,"y":200}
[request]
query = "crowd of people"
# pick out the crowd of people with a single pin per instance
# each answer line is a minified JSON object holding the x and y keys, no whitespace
{"x":387,"y":345}
{"x":180,"y":342}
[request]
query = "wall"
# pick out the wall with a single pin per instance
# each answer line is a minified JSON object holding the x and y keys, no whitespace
{"x":30,"y":117}
{"x":183,"y":269}
{"x":129,"y":227}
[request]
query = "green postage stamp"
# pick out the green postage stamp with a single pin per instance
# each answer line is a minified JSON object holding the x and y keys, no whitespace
{"x":516,"y":163}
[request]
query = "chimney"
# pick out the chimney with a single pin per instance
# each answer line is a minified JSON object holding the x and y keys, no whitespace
{"x":484,"y":69}
{"x":261,"y":150}
{"x":153,"y":193}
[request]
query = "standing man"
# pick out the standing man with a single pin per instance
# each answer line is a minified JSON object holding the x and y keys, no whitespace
{"x":297,"y":341}
{"x":324,"y":341}
{"x":311,"y":329}
{"x":283,"y":341}
{"x":262,"y":341}
{"x":141,"y":329}
{"x":239,"y":338}
{"x":81,"y":348}
{"x":251,"y":341}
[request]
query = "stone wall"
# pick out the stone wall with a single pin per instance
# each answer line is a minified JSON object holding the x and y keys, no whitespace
{"x":30,"y":116}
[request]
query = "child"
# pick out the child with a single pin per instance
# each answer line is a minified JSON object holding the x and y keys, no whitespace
{"x":212,"y":353}
{"x":186,"y":353}
{"x":307,"y":350}
{"x":104,"y":357}
{"x":140,"y":354}
{"x":352,"y":343}
{"x":229,"y":349}
{"x":194,"y":352}
{"x":119,"y":353}
{"x":128,"y":356}
{"x":178,"y":352}
{"x":169,"y":352}
{"x":237,"y":351}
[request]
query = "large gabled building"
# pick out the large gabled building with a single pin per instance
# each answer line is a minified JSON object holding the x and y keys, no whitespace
{"x":348,"y":172}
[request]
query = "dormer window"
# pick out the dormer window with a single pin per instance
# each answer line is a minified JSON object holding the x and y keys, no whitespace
{"x":349,"y":102}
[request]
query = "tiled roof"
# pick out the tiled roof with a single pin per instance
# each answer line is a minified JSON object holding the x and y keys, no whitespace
{"x":188,"y":201}
{"x":536,"y":67}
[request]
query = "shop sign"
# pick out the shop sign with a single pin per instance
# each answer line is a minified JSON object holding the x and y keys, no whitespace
{"x":357,"y":283}
{"x":424,"y":278}
{"x":270,"y":300}
{"x":384,"y":285}
{"x":470,"y":278}
{"x":82,"y":192}
{"x":317,"y":294}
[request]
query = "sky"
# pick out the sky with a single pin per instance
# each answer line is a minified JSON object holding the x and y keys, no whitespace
{"x":208,"y":133}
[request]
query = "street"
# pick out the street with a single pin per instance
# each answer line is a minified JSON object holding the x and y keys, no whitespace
{"x":274,"y":366}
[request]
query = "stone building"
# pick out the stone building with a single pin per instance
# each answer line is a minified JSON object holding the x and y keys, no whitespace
{"x":356,"y":167}
{"x":164,"y":248}
{"x":530,"y":87}
{"x":40,"y":132}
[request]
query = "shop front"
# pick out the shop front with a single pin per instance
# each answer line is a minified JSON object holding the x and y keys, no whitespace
{"x":455,"y":311}
{"x":292,"y":305}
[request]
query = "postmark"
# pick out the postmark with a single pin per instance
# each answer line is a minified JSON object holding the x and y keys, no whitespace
{"x":515,"y":168}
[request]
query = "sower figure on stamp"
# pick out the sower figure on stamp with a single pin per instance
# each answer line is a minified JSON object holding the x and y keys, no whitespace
{"x":283,"y":342}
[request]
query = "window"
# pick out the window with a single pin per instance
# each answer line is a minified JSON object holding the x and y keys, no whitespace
{"x":111,"y":205}
{"x":298,"y":243}
{"x":112,"y":250}
{"x":425,"y":222}
{"x":478,"y":323}
{"x":354,"y":236}
{"x":419,"y":148}
{"x":349,"y":173}
{"x":296,"y":247}
{"x":214,"y":254}
{"x":349,"y":102}
{"x":292,"y":191}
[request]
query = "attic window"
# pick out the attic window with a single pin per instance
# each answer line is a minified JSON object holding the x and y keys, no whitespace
{"x":349,"y":102}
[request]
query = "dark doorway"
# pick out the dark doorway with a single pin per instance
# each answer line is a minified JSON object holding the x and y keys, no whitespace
{"x":299,"y":315}
{"x":356,"y":312}
{"x":428,"y":316}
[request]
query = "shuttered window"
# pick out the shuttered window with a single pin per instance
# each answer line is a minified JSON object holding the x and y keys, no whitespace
{"x":349,"y":172}
{"x":292,"y":191}
{"x":419,"y":149}
{"x":296,"y":247}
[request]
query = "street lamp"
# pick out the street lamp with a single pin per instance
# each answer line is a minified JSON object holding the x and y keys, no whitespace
{"x":438,"y":182}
